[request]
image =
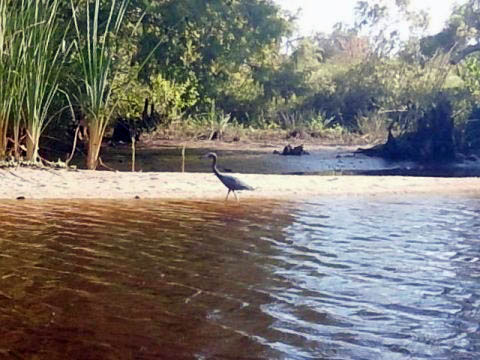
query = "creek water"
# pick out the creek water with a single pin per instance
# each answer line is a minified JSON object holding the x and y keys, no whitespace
{"x":327,"y":161}
{"x":344,"y":278}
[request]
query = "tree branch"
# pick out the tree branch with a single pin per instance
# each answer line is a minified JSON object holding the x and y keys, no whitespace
{"x":464,"y":53}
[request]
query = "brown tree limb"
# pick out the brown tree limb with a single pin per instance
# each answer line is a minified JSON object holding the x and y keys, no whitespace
{"x":73,"y":147}
{"x":101,"y":163}
{"x":459,"y":56}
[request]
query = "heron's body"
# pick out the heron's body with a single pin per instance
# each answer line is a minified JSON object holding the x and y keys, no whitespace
{"x":231,"y":182}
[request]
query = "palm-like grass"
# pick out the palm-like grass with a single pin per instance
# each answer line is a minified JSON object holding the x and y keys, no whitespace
{"x":41,"y":62}
{"x":5,"y":75}
{"x":11,"y":94}
{"x":96,"y":59}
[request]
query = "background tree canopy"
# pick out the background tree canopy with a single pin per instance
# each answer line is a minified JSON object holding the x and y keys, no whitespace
{"x":235,"y":61}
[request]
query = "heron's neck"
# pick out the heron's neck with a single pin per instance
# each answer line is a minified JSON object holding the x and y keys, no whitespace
{"x":214,"y":167}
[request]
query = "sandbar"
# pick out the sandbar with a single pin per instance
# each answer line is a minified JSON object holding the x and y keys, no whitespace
{"x":29,"y":183}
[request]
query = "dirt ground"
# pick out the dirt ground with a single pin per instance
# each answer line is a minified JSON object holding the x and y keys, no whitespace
{"x":27,"y":183}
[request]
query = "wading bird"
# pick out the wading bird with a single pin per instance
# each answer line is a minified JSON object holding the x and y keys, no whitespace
{"x":232,"y":183}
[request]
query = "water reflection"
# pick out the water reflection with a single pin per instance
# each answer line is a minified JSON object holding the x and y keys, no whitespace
{"x":401,"y":277}
{"x":334,"y":278}
{"x":326,"y":161}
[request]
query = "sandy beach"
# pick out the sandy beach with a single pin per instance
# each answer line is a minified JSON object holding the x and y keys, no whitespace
{"x":83,"y":184}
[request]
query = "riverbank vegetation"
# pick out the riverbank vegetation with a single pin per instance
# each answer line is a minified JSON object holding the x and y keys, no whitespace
{"x":227,"y":69}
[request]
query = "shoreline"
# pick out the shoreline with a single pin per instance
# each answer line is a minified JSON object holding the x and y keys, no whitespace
{"x":253,"y":145}
{"x":49,"y":184}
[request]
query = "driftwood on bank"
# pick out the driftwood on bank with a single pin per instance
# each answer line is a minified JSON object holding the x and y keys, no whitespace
{"x":432,"y":141}
{"x":126,"y":129}
{"x":289,"y":150}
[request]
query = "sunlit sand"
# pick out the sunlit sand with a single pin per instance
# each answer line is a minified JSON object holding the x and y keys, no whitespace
{"x":62,"y":184}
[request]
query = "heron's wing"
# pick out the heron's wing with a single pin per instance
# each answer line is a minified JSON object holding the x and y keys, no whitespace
{"x":234,"y":183}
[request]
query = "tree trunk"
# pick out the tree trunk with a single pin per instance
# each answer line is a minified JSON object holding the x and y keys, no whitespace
{"x":16,"y":142}
{"x":32,"y":145}
{"x":133,"y":153}
{"x":94,"y":145}
{"x":3,"y":139}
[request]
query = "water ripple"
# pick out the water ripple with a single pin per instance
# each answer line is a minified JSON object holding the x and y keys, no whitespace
{"x":337,"y":278}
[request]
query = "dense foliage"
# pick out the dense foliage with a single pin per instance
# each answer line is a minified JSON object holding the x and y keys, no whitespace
{"x":221,"y":62}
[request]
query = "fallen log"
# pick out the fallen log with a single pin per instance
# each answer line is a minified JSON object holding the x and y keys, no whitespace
{"x":289,"y":150}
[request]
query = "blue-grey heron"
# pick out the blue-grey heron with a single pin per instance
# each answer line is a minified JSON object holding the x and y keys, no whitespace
{"x":232,"y":183}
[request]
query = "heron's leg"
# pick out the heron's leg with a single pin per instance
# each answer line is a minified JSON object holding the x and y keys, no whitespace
{"x":234,"y":193}
{"x":228,"y":193}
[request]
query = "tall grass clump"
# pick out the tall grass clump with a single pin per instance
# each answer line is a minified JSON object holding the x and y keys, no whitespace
{"x":41,"y":58}
{"x":30,"y":61}
{"x":12,"y":50}
{"x":95,"y":54}
{"x":6,"y":85}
